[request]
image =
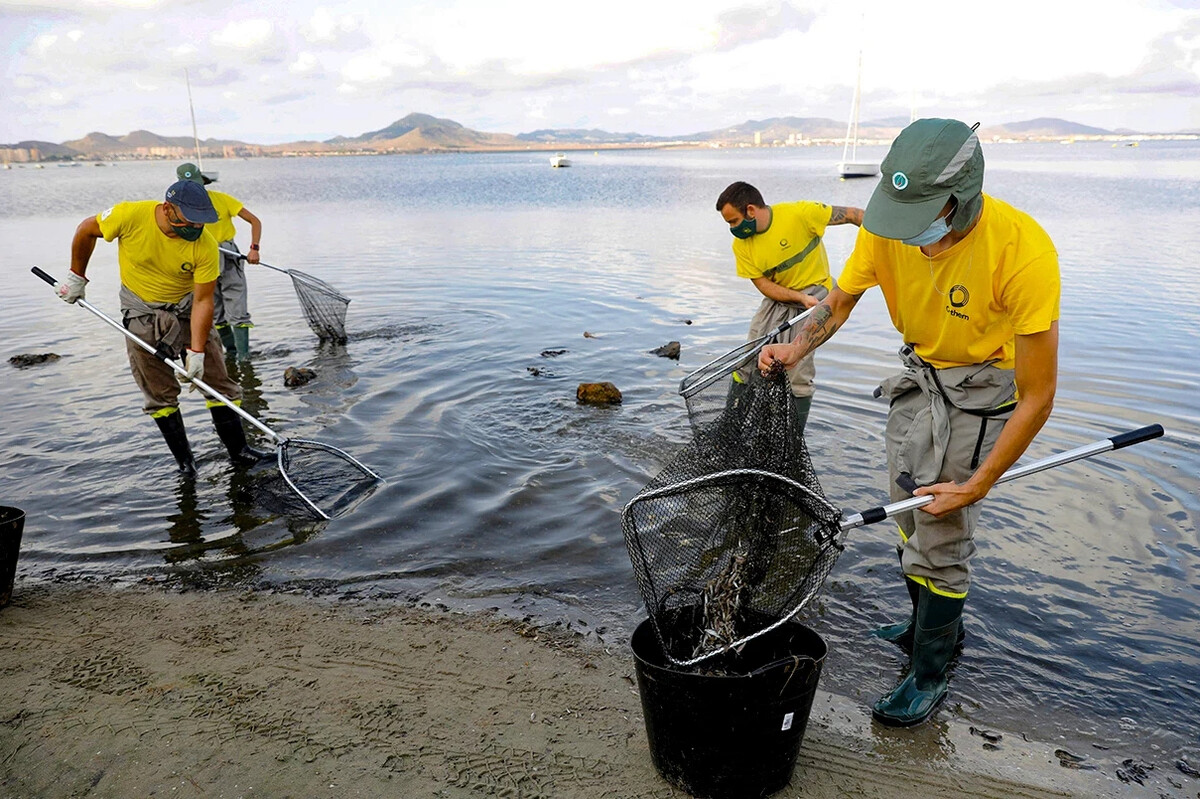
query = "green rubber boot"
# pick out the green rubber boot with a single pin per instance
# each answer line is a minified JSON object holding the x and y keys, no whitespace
{"x":171,"y":427}
{"x":934,"y":640}
{"x":901,"y":633}
{"x":241,"y":338}
{"x":226,"y":334}
{"x":800,"y":408}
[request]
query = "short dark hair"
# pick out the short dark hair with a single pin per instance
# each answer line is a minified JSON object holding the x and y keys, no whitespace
{"x":740,"y":195}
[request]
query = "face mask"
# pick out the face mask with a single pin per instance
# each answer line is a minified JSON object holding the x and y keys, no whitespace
{"x":744,"y":229}
{"x":185,"y":232}
{"x":936,"y":231}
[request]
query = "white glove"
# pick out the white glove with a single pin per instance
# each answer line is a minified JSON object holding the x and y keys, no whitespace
{"x":195,"y":368}
{"x":73,"y":289}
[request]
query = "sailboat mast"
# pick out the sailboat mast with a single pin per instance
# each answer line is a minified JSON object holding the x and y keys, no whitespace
{"x":852,"y":127}
{"x":192,"y":109}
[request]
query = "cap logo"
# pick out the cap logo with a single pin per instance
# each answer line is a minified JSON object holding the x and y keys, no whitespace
{"x":900,"y":181}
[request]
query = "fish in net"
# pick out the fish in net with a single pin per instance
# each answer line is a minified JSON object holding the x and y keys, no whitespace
{"x":734,"y":536}
{"x":317,"y":479}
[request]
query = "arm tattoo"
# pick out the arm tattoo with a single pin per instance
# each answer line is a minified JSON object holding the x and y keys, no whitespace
{"x":842,"y":215}
{"x":817,"y":329}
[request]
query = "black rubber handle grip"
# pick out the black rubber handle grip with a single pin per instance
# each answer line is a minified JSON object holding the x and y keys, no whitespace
{"x":44,"y":276}
{"x":1137,"y":436}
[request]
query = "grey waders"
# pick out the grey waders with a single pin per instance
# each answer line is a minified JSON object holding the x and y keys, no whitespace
{"x":172,"y":430}
{"x":233,"y":436}
{"x":935,"y":638}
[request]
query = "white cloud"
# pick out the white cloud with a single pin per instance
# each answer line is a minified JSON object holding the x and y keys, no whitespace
{"x":304,"y":64}
{"x":244,"y":34}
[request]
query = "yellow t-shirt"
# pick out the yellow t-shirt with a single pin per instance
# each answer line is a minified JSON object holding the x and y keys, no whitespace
{"x":964,"y":305}
{"x":789,"y":251}
{"x":155,"y":266}
{"x":227,"y":208}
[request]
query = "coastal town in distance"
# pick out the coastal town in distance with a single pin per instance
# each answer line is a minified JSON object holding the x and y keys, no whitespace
{"x":422,"y":133}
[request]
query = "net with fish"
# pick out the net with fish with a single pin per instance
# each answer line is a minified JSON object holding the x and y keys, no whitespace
{"x":734,"y":536}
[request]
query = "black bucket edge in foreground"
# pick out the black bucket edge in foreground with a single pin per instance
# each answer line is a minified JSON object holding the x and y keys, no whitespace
{"x":12,"y":523}
{"x":736,"y":734}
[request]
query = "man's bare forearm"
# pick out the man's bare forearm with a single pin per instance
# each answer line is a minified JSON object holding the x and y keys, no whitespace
{"x":846,"y":215}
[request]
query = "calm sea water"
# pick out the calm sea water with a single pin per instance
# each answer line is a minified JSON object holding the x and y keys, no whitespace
{"x":502,"y":492}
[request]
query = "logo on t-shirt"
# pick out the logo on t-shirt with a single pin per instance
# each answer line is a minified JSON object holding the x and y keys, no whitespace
{"x":783,"y":244}
{"x":104,"y":215}
{"x":187,"y":266}
{"x":959,"y":296}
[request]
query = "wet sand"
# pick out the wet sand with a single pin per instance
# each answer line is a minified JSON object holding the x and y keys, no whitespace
{"x":142,"y":691}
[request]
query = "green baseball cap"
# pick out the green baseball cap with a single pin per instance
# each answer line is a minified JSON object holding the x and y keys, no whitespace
{"x":192,"y":172}
{"x":930,"y":161}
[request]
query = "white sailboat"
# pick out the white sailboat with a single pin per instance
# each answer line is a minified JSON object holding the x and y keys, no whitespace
{"x":850,"y":166}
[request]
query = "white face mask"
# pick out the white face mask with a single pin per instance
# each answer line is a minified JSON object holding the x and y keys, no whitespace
{"x":936,"y":231}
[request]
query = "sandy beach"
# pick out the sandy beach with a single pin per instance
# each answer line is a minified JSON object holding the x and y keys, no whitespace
{"x":146,"y":691}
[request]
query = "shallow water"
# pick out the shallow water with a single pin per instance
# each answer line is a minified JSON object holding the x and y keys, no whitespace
{"x":501,"y":491}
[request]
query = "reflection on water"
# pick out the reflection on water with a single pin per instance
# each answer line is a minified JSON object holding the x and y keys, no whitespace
{"x":500,"y":489}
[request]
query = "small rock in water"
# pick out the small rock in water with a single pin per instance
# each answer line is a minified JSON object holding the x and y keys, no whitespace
{"x":598,"y":394}
{"x":1132,"y":770}
{"x":1183,"y":766}
{"x":589,"y":335}
{"x":297,"y":376}
{"x":553,"y":353}
{"x":668,"y":350}
{"x":1068,"y":759}
{"x":30,"y":359}
{"x":987,"y":735}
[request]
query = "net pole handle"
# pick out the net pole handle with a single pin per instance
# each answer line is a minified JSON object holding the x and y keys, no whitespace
{"x":205,"y":387}
{"x":1119,"y":441}
{"x":242,"y":257}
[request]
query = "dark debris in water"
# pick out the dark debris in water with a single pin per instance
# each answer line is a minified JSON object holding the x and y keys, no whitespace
{"x":536,"y":372}
{"x":1187,"y":768}
{"x":1134,"y":770}
{"x":668,"y":350}
{"x":1068,"y":759}
{"x":553,"y":353}
{"x":987,"y":735}
{"x":26,"y":360}
{"x":297,"y":376}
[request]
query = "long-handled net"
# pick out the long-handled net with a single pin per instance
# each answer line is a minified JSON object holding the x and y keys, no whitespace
{"x":708,"y":389}
{"x":324,"y":306}
{"x":735,"y":536}
{"x":324,"y":478}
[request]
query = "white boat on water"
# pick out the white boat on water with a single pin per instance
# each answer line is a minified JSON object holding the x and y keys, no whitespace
{"x":559,"y":159}
{"x":850,"y":166}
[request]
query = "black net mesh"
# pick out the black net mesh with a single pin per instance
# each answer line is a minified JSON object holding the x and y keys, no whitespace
{"x":734,"y":535}
{"x":317,"y":479}
{"x":324,"y":306}
{"x":706,"y":390}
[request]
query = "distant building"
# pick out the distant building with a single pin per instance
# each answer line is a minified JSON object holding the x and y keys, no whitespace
{"x":758,"y":138}
{"x":19,"y":155}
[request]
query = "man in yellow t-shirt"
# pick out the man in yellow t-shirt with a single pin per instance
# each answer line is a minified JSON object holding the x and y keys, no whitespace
{"x":168,"y":270}
{"x":231,"y":312}
{"x":779,"y":249}
{"x":972,"y":285}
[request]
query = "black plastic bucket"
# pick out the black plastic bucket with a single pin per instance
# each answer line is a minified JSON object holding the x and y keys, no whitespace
{"x":726,"y":736}
{"x":12,"y":523}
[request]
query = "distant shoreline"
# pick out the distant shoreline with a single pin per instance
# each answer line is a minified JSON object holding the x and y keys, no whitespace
{"x":323,"y":151}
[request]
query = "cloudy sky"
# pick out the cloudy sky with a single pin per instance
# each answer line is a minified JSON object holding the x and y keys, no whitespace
{"x":273,"y":71}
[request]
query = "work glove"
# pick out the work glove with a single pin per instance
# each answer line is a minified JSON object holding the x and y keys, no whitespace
{"x":73,"y":289}
{"x":194,"y":364}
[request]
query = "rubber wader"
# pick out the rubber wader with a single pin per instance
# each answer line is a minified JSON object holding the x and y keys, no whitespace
{"x":172,"y":430}
{"x":935,"y":636}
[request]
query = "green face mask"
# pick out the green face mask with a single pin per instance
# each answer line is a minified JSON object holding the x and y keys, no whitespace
{"x":184,"y":231}
{"x":744,"y":229}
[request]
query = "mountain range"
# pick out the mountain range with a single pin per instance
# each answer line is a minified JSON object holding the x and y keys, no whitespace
{"x":425,"y":133}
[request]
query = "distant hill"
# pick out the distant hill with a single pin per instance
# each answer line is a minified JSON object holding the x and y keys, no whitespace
{"x":48,"y":150}
{"x":583,"y":136}
{"x":101,"y":144}
{"x":1044,"y":126}
{"x":425,"y":132}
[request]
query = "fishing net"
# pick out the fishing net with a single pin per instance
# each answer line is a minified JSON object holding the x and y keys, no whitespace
{"x":318,"y":479}
{"x":324,"y":306}
{"x":734,"y":536}
{"x":706,"y":390}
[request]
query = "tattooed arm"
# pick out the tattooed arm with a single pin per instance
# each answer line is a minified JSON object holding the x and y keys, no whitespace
{"x":846,"y":215}
{"x":814,"y":331}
